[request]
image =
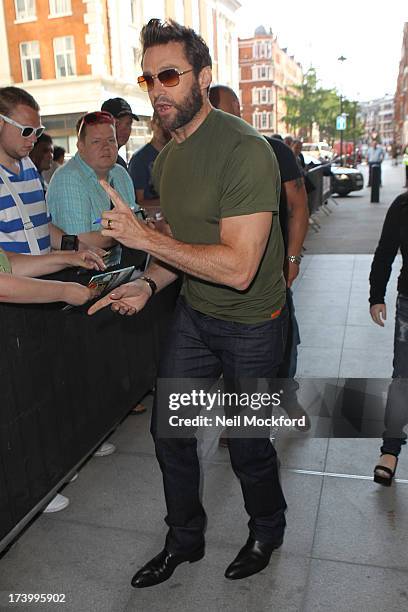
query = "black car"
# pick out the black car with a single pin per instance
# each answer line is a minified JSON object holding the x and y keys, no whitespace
{"x":344,"y":180}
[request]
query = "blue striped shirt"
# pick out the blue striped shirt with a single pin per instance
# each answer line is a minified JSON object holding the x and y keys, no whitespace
{"x":29,"y":188}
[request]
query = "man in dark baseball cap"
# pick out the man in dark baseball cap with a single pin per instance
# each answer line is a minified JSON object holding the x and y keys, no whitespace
{"x":124,"y":116}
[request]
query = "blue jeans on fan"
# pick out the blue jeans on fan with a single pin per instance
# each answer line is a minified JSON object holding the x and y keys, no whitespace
{"x":200,"y":346}
{"x":396,"y":411}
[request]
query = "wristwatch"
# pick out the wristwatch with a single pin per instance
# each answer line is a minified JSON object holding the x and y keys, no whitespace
{"x":69,"y":242}
{"x":294,"y":259}
{"x":150,"y":282}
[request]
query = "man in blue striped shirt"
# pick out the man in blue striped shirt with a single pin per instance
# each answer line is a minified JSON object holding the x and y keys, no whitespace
{"x":20,"y":126}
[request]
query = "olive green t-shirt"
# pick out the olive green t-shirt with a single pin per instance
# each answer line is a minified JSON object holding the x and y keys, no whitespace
{"x":224,"y":169}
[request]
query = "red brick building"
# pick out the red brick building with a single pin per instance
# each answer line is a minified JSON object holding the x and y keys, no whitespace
{"x":267,"y":74}
{"x":401,"y":96}
{"x":71,"y":55}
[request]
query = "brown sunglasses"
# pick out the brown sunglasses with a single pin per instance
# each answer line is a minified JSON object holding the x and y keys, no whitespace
{"x":168,"y":78}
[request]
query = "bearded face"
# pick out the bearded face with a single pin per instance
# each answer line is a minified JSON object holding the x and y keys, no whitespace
{"x":178,"y":114}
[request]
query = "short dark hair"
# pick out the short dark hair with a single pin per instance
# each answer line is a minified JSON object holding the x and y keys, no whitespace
{"x":44,"y":138}
{"x":157,"y":32}
{"x":215,"y":94}
{"x":11,"y":96}
{"x":58,"y":152}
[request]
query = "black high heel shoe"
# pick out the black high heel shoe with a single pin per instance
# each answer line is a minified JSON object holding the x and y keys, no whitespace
{"x":385,"y":480}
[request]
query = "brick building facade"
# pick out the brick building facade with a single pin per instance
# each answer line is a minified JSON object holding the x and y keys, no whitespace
{"x":71,"y":55}
{"x":401,"y":96}
{"x":267,"y":74}
{"x":378,"y":118}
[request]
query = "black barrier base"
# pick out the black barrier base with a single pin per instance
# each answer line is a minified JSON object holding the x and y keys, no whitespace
{"x":66,"y":381}
{"x":375,"y":183}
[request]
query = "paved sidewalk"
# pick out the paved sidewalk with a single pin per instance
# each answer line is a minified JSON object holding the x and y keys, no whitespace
{"x":355,"y":224}
{"x":338,"y":337}
{"x":331,"y":292}
{"x":346,"y":544}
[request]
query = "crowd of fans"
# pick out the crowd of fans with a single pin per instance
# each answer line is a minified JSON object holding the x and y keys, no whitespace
{"x":44,"y":200}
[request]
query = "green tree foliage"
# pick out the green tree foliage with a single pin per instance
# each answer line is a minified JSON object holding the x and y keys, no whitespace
{"x":327,"y":109}
{"x":300,"y":107}
{"x":312,"y":104}
{"x":355,"y":126}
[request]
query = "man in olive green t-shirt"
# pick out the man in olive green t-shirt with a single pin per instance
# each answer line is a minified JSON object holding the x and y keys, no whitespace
{"x":218,"y":181}
{"x":224,"y":170}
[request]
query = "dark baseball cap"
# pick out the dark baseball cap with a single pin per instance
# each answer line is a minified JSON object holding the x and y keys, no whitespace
{"x":118,"y":107}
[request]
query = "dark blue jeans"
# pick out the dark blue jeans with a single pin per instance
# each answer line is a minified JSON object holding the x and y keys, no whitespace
{"x":199,"y":346}
{"x":396,"y":412}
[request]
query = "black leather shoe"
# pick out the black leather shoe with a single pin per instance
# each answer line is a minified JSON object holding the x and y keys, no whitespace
{"x":251,"y":559}
{"x":161,"y":567}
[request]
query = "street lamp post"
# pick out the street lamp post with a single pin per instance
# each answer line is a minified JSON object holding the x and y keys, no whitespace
{"x":354,"y":132}
{"x":341,"y":59}
{"x":341,"y":131}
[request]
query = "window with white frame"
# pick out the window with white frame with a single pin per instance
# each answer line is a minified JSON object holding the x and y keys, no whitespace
{"x":64,"y":55}
{"x":261,"y":73}
{"x":135,"y":58}
{"x":25,"y":9}
{"x":228,"y":43}
{"x":154,"y":9}
{"x":30,"y":60}
{"x":262,"y":49}
{"x":210,"y":31}
{"x":195,"y":11}
{"x":262,"y":95}
{"x":262,"y":120}
{"x":133,"y":11}
{"x":179,"y":11}
{"x":59,"y":8}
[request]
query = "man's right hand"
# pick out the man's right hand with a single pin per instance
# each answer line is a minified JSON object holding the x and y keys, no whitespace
{"x":127,"y":299}
{"x":378,"y":314}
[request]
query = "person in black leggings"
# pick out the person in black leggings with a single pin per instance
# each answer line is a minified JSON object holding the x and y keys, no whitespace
{"x":394,"y":236}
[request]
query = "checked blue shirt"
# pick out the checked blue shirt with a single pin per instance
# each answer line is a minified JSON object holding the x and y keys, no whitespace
{"x":75,"y":198}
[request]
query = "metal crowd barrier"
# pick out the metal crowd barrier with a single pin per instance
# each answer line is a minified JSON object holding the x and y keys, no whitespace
{"x":67,"y":380}
{"x":321,"y":179}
